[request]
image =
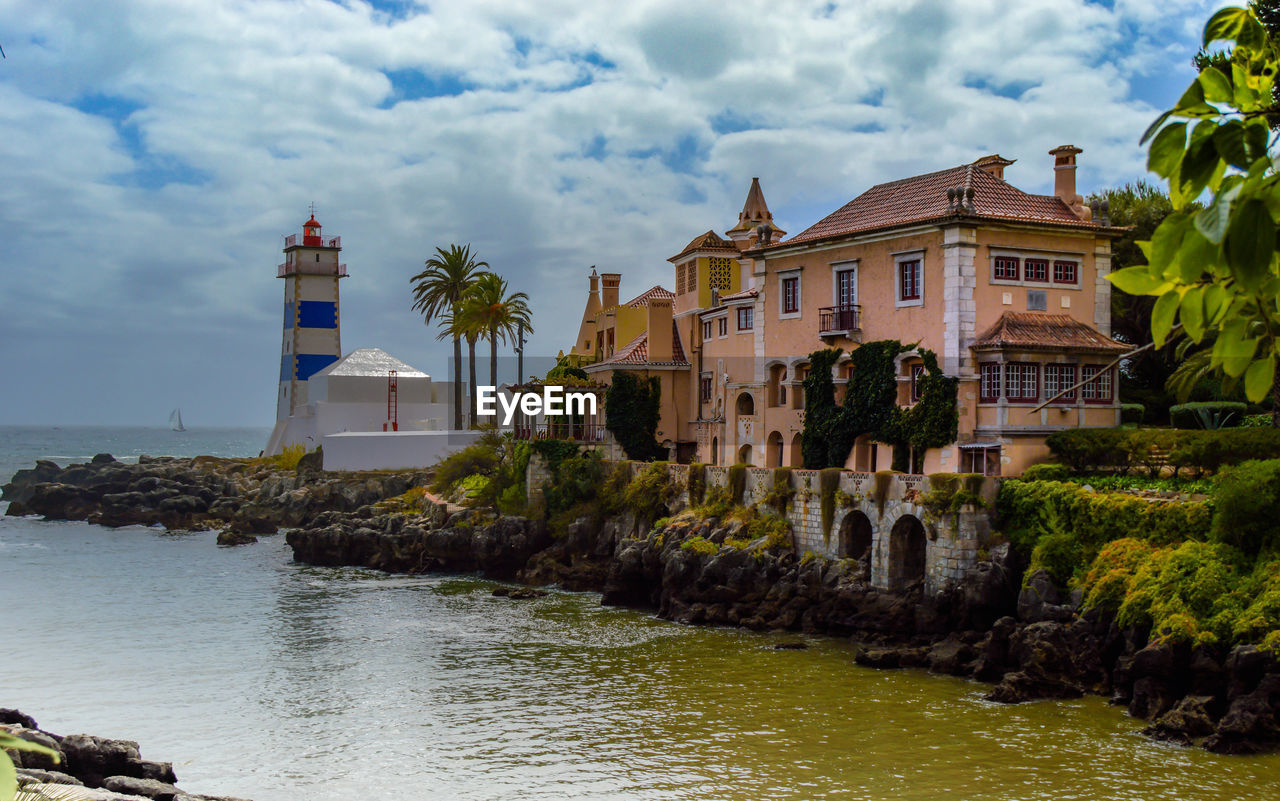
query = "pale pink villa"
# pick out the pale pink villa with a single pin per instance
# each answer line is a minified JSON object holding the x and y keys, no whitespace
{"x":1006,"y":287}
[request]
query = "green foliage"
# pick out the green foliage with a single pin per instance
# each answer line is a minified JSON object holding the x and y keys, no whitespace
{"x":701,"y":545}
{"x":1047,"y":471}
{"x":883,"y":481}
{"x":780,"y":494}
{"x":554,"y":451}
{"x":1248,"y":506}
{"x":577,"y":481}
{"x":716,"y":504}
{"x":1208,"y":415}
{"x":1086,"y":449}
{"x":287,"y":459}
{"x":819,"y":408}
{"x":1107,"y":582}
{"x":737,"y":482}
{"x":697,"y":483}
{"x":567,"y":375}
{"x":776,"y":531}
{"x":1132,"y":412}
{"x":828,"y":485}
{"x":649,"y":493}
{"x":1079,"y":523}
{"x":934,"y":420}
{"x":480,"y":458}
{"x":8,"y":775}
{"x":950,"y":492}
{"x":1256,"y":421}
{"x":472,"y":486}
{"x":1184,"y":486}
{"x":632,"y":407}
{"x":1188,"y":593}
{"x":437,"y":292}
{"x":1213,"y":270}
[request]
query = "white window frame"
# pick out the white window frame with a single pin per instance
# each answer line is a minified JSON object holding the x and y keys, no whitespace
{"x":898,"y":259}
{"x":1049,"y":257}
{"x":783,"y":275}
{"x":751,"y":311}
{"x":838,"y":267}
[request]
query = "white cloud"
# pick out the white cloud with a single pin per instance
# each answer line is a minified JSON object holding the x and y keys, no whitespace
{"x":155,"y":151}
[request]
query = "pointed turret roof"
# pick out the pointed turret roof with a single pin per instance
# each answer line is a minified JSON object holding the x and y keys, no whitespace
{"x":755,"y":211}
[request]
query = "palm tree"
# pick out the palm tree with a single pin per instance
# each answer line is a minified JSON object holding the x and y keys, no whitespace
{"x":437,"y":290}
{"x":461,"y":325}
{"x":497,"y":313}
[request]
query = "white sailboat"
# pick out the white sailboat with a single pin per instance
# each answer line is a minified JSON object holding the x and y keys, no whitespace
{"x":175,"y":421}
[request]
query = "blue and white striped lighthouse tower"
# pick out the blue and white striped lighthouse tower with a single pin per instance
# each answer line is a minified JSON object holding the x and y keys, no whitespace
{"x":312,"y":327}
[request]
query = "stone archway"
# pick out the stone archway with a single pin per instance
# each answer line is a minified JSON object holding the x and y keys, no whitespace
{"x":856,"y":536}
{"x":744,"y":454}
{"x":907,"y":547}
{"x":797,"y":451}
{"x":774,"y":449}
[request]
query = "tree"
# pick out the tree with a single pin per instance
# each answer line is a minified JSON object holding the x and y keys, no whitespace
{"x":497,"y":314}
{"x":1214,"y":271}
{"x":1140,"y":207}
{"x":461,"y":324}
{"x":631,"y":411}
{"x":437,"y":290}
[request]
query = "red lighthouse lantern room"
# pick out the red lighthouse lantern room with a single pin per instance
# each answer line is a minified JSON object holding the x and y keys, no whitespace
{"x":311,"y":232}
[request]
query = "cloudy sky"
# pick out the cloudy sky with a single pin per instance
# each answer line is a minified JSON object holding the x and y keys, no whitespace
{"x":153,"y":153}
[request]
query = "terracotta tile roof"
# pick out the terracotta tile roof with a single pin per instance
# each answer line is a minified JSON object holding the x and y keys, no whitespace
{"x":708,"y":241}
{"x":643,"y":298}
{"x":924,"y":197}
{"x":1044,"y":331}
{"x":636,"y":352}
{"x":746,"y":293}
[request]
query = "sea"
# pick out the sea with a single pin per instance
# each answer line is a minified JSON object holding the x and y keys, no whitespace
{"x":270,"y":680}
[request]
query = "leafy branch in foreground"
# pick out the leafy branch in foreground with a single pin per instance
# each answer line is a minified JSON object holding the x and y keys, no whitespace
{"x":1213,"y":269}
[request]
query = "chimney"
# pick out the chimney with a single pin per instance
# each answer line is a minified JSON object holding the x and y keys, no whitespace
{"x":610,"y":281}
{"x":1064,"y":179}
{"x":993,"y":164}
{"x":660,"y":330}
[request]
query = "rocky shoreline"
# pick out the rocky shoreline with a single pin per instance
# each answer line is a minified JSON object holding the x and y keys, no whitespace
{"x":101,"y":769}
{"x":993,"y":626}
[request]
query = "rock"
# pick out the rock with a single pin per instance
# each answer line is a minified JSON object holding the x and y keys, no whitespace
{"x":1188,"y":720}
{"x":1044,"y":656}
{"x":1040,"y":600}
{"x":47,"y":777}
{"x":791,"y":646}
{"x":103,"y":458}
{"x":952,"y":656}
{"x":992,"y":660}
{"x":1020,"y":686}
{"x":231,"y":538}
{"x":518,"y":593}
{"x":1251,"y":724}
{"x":147,"y":788}
{"x":888,"y":658}
{"x":34,"y":759}
{"x":92,"y":759}
{"x":13,"y":717}
{"x":312,"y":462}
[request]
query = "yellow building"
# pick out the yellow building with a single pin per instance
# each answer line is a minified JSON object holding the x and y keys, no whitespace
{"x":1007,"y":288}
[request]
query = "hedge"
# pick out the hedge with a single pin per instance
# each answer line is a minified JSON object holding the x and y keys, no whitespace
{"x":1064,"y":526}
{"x":1210,"y":415}
{"x":1132,"y":412}
{"x":1108,"y":449}
{"x":1248,"y":499}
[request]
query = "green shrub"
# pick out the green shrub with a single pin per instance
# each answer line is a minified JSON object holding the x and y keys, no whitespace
{"x":1207,"y":415}
{"x":828,"y":485}
{"x":1107,"y":582}
{"x":1132,"y":413}
{"x":1113,"y":449}
{"x":1256,"y":421}
{"x":1030,"y":510}
{"x":716,"y":503}
{"x":697,"y":483}
{"x":737,"y":482}
{"x":576,"y":481}
{"x":649,"y":493}
{"x":1248,"y":506}
{"x":479,"y":458}
{"x":1047,"y":471}
{"x":700,"y":544}
{"x":780,"y":494}
{"x":1260,"y":621}
{"x":473,"y":485}
{"x":1191,"y":593}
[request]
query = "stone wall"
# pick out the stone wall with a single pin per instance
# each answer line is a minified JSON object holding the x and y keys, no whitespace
{"x":907,"y":540}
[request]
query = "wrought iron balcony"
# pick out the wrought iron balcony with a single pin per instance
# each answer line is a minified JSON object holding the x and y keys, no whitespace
{"x":839,"y":320}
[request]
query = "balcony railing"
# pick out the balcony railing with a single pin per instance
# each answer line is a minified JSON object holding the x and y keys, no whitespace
{"x":310,"y":268}
{"x":836,"y":320}
{"x":560,"y":429}
{"x":293,"y":240}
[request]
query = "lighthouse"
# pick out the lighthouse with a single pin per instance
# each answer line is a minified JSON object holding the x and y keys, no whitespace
{"x":312,"y":338}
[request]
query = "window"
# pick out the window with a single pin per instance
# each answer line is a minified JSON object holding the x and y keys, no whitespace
{"x":909,"y":280}
{"x":790,"y":295}
{"x":1098,"y":391}
{"x":1021,"y":381}
{"x":691,"y":276}
{"x":1007,"y":268}
{"x":722,"y":326}
{"x":704,"y":387}
{"x":706,"y":330}
{"x":1064,"y":272}
{"x":982,"y":459}
{"x":846,"y":288}
{"x":1036,"y":269}
{"x":1058,"y":377}
{"x":917,"y":372}
{"x":720,"y":273}
{"x":990,"y":389}
{"x":746,"y":318}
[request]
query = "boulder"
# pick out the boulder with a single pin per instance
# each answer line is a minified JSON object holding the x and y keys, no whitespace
{"x":1040,"y":600}
{"x":1189,"y":719}
{"x":147,"y":788}
{"x":34,"y":775}
{"x":230,"y":538}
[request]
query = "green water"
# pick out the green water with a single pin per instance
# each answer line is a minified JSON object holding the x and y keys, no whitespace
{"x":274,"y":681}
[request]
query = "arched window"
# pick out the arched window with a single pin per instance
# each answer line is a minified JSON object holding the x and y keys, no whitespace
{"x":746,"y":405}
